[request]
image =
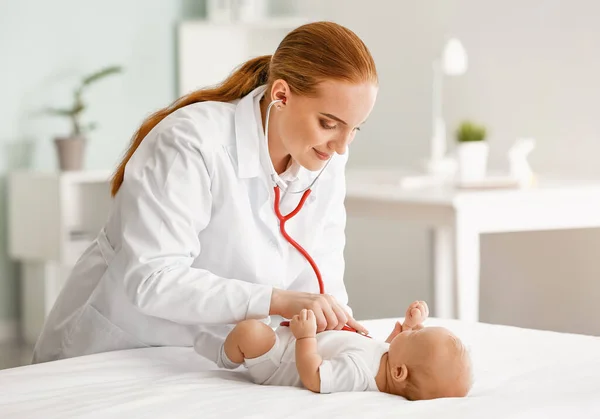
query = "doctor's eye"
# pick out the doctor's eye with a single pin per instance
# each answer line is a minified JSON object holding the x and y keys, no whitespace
{"x":325,"y":125}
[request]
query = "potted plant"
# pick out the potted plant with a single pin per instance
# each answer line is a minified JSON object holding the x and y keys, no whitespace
{"x":472,"y":151}
{"x":70,"y":148}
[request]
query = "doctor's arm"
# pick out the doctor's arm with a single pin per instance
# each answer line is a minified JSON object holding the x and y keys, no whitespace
{"x":166,"y":200}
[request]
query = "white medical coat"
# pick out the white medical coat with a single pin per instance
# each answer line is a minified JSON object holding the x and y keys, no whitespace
{"x":192,"y":244}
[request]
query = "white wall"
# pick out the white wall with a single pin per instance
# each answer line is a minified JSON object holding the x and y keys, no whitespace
{"x":533,"y":72}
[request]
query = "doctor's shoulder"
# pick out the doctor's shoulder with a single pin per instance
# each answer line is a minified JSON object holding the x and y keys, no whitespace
{"x":201,"y":130}
{"x":211,"y":123}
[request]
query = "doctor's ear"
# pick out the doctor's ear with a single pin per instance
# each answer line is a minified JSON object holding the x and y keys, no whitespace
{"x":280,"y":91}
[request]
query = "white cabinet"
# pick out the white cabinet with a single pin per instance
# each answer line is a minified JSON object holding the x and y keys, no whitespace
{"x":53,"y":218}
{"x":209,"y":52}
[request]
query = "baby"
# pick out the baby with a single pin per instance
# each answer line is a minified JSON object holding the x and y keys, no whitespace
{"x":414,"y":362}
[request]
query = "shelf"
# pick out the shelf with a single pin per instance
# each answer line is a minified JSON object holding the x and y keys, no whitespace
{"x":45,"y":208}
{"x":96,"y":176}
{"x":283,"y":22}
{"x":84,"y":176}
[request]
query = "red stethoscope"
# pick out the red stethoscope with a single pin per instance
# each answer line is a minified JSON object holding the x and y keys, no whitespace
{"x":284,"y":218}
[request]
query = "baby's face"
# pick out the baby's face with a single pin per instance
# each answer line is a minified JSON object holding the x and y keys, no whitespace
{"x":436,"y":360}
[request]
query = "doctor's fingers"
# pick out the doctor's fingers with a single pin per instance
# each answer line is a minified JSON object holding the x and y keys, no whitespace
{"x":326,"y":319}
{"x":321,"y":320}
{"x":342,"y":316}
{"x":331,"y":316}
{"x":357,"y":326}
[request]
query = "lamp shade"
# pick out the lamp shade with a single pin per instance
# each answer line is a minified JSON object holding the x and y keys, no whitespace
{"x":454,"y":59}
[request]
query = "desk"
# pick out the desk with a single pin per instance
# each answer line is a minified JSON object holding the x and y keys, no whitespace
{"x":459,"y":217}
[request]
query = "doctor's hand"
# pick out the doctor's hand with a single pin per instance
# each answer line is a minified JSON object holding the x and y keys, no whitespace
{"x":329,"y":313}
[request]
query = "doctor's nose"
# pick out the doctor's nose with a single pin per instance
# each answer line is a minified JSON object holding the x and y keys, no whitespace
{"x":341,"y":145}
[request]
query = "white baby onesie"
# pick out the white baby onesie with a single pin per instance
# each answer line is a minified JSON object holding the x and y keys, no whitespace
{"x":350,"y":361}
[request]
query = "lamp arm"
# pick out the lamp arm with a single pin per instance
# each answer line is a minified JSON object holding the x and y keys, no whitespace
{"x":438,"y":135}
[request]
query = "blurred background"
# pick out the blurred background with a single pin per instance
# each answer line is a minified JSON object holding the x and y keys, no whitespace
{"x":532,"y":73}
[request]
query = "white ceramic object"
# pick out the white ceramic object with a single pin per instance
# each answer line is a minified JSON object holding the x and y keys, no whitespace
{"x":250,"y":10}
{"x":472,"y":159}
{"x":520,"y":168}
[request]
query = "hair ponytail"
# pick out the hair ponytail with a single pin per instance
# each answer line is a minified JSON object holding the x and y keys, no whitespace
{"x":246,"y":78}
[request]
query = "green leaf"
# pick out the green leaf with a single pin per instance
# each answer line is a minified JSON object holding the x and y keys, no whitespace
{"x":78,"y":108}
{"x":90,"y":127}
{"x":60,"y":112}
{"x":100,"y":75}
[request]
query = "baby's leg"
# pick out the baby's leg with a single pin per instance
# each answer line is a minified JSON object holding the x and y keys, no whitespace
{"x":249,"y":339}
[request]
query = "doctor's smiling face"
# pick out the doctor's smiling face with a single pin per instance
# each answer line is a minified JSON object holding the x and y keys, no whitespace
{"x":311,"y":128}
{"x":328,"y":82}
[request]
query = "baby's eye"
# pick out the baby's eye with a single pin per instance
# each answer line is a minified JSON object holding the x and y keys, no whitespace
{"x":325,"y":125}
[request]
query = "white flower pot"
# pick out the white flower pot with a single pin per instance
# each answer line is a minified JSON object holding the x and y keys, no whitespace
{"x":472,"y":160}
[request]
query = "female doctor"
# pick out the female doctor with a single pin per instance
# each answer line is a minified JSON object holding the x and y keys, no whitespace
{"x":192,"y":244}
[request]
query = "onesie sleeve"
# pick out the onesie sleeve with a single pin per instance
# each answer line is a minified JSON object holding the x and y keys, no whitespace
{"x":344,"y":373}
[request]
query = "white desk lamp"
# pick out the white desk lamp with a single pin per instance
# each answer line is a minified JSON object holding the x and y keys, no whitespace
{"x":453,"y":62}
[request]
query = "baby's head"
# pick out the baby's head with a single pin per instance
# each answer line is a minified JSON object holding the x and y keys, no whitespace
{"x":427,"y":364}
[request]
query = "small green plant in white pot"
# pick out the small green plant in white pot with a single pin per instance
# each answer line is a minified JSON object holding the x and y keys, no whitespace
{"x":472,"y":152}
{"x":70,"y":148}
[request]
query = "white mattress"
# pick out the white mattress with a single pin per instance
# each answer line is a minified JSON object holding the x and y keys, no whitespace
{"x":519,"y":374}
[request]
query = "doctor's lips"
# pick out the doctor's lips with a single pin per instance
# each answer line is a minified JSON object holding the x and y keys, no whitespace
{"x":322,"y":156}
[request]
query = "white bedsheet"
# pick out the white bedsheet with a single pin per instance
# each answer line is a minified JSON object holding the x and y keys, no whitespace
{"x":519,"y":374}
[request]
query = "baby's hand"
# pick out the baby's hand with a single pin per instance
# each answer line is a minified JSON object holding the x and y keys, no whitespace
{"x":304,"y":325}
{"x":416,"y":314}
